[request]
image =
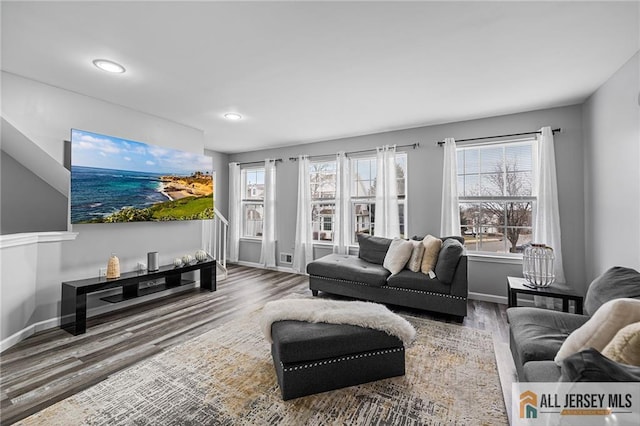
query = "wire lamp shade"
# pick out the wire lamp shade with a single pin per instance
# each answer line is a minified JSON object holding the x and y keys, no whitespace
{"x":537,"y":265}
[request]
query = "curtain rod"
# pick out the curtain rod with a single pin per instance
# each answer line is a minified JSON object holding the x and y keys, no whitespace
{"x":557,"y":130}
{"x":412,"y":145}
{"x":277,"y":160}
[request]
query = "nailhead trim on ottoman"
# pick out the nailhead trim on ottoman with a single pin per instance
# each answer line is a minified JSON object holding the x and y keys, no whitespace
{"x":319,"y":375}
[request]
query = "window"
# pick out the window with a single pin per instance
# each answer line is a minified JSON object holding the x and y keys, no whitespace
{"x":252,"y":202}
{"x":323,"y":199}
{"x":363,"y":193}
{"x":323,"y":183}
{"x":495,"y":184}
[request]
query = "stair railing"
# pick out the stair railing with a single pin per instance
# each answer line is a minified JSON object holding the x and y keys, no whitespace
{"x":215,"y":238}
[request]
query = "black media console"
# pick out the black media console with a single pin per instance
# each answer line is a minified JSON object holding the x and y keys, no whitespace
{"x":73,"y":312}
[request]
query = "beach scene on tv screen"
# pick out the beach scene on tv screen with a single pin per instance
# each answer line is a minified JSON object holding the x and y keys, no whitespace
{"x":119,"y":180}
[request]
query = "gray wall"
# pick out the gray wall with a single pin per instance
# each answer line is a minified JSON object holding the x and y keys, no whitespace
{"x":221,"y":167}
{"x":29,"y":204}
{"x":44,"y":115}
{"x":425,"y":185}
{"x":612,"y":172}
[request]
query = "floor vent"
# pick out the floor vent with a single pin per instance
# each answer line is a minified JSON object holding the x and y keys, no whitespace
{"x":286,"y":258}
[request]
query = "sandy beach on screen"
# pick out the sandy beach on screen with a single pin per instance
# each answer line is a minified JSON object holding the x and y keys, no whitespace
{"x":178,"y":188}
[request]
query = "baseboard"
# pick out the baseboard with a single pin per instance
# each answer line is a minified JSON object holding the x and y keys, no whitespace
{"x":526,"y":302}
{"x":259,"y":266}
{"x":30,"y":330}
{"x":502,"y":300}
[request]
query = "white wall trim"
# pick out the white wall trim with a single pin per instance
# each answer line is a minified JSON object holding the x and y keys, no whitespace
{"x":502,"y":300}
{"x":490,"y":258}
{"x":30,"y":330}
{"x":26,"y":238}
{"x":254,"y":240}
{"x":257,"y":265}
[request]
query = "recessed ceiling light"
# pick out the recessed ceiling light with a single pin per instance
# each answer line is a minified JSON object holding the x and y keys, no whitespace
{"x":232,"y":116}
{"x":109,"y":66}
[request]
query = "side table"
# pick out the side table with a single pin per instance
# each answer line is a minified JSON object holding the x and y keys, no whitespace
{"x":517,"y":285}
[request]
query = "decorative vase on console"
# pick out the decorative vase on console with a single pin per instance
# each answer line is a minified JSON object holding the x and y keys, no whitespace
{"x":201,"y":255}
{"x":113,"y":267}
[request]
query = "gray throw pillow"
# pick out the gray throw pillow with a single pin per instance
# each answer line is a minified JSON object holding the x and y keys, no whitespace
{"x":448,"y":258}
{"x":615,"y":283}
{"x":590,"y":365}
{"x":373,"y":249}
{"x":455,"y":237}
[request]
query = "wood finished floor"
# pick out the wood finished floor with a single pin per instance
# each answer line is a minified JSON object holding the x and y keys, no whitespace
{"x":52,"y":365}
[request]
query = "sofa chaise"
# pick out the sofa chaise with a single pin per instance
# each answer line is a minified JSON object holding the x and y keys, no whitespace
{"x":364,"y":277}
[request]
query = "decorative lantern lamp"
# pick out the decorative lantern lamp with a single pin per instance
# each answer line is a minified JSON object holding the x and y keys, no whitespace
{"x":537,"y":265}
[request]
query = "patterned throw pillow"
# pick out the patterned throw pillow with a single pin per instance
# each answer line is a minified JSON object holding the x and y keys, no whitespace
{"x":415,"y":261}
{"x":432,"y":247}
{"x":625,"y":346}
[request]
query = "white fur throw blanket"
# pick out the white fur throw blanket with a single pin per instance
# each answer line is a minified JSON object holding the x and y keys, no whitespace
{"x":363,"y":314}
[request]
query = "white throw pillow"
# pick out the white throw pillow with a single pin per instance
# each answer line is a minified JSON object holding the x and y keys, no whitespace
{"x":601,"y":328}
{"x":398,"y":255}
{"x":415,"y":261}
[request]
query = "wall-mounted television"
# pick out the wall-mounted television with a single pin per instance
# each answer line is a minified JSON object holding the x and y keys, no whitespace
{"x":120,"y":180}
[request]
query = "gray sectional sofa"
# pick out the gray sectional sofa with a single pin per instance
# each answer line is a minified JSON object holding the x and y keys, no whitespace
{"x":363,"y":277}
{"x":537,"y":334}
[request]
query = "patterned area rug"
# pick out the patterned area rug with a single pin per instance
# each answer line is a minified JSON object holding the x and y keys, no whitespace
{"x":226,"y":377}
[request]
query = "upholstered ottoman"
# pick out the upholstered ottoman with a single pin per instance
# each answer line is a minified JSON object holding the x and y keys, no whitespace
{"x":313,"y":357}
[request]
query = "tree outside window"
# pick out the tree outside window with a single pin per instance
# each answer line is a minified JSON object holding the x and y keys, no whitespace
{"x":495,"y":196}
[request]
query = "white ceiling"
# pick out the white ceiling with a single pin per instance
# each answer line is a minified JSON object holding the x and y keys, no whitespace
{"x":307,"y":71}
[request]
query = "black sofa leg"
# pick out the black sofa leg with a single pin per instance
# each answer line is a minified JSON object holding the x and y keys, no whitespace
{"x":314,"y":292}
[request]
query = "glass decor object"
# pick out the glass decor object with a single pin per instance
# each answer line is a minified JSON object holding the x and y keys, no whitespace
{"x":187,"y":259}
{"x":201,"y":255}
{"x":537,"y":265}
{"x":113,"y":267}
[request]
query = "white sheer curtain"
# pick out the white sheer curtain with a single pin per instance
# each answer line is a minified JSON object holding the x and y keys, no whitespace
{"x":268,"y":251}
{"x":387,"y":220}
{"x":450,"y":213}
{"x":342,"y":222}
{"x":303,"y":247}
{"x":235,"y":215}
{"x":546,"y":214}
